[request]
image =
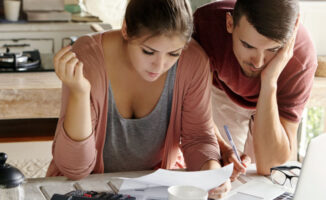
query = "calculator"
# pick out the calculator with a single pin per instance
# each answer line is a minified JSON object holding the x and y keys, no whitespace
{"x":91,"y":195}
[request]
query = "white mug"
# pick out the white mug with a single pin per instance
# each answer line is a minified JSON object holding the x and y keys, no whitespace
{"x":12,"y":9}
{"x":185,"y":192}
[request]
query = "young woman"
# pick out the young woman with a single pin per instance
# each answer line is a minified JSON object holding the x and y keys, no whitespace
{"x":133,"y":97}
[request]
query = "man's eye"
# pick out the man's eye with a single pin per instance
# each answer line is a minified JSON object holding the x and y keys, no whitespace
{"x":148,"y":52}
{"x":274,"y":50}
{"x":247,"y":46}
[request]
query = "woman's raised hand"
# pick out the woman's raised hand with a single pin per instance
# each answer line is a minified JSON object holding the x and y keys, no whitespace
{"x":69,"y":69}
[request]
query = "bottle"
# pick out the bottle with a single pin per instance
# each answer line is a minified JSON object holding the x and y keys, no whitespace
{"x":11,"y":180}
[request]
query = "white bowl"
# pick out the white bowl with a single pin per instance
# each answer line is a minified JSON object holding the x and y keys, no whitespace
{"x":185,"y":192}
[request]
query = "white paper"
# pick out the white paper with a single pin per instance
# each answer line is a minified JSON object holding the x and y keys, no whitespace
{"x":242,"y":196}
{"x":154,"y":186}
{"x":256,"y":189}
{"x":153,"y":193}
{"x":262,"y":189}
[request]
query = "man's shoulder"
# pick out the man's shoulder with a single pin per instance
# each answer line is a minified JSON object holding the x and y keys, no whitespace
{"x":217,"y":5}
{"x":210,"y":30}
{"x":212,"y":10}
{"x":304,"y":50}
{"x":300,"y":70}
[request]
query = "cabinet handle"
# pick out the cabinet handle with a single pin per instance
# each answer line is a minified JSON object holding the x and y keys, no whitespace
{"x":16,"y":45}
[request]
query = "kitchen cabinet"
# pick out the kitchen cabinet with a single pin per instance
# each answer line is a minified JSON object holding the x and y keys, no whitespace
{"x":44,"y":45}
{"x":35,"y":95}
{"x":48,"y":38}
{"x":28,"y":99}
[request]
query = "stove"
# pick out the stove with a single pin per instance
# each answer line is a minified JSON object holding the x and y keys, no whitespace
{"x":24,"y":61}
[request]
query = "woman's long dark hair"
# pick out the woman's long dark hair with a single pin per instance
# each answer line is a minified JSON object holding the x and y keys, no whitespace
{"x":159,"y":17}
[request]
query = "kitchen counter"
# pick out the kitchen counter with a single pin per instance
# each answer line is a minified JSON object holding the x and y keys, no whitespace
{"x":29,"y":95}
{"x":318,"y":93}
{"x":38,"y":95}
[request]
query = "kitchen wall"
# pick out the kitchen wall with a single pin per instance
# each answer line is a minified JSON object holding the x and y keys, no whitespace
{"x":197,"y":3}
{"x":313,"y":14}
{"x":112,"y":12}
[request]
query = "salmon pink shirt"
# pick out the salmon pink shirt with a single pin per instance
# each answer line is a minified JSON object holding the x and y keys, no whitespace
{"x":190,"y":126}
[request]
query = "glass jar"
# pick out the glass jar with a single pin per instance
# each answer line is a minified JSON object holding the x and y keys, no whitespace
{"x":10,"y":181}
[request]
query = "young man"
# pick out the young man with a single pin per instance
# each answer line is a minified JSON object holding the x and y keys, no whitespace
{"x":263,"y":63}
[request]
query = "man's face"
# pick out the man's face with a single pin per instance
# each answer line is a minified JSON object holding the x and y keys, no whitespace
{"x":252,"y":50}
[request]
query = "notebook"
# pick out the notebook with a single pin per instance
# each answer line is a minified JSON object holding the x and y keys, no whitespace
{"x":311,"y":184}
{"x":312,"y":180}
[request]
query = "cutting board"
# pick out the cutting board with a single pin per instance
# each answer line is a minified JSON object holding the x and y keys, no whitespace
{"x":321,"y":69}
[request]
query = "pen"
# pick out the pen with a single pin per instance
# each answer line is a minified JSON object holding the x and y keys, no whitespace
{"x":231,"y":142}
{"x":113,"y":187}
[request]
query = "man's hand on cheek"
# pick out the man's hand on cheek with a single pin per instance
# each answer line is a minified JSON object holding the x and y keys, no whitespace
{"x":275,"y":67}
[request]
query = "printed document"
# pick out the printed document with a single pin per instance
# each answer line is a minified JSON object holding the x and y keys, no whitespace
{"x":154,"y":186}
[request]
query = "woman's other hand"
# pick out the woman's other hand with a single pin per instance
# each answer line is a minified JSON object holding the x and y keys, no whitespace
{"x":228,"y":156}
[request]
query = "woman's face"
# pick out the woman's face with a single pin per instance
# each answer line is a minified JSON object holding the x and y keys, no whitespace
{"x":153,"y":56}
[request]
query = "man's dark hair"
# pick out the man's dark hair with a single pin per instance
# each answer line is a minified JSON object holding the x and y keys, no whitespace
{"x":275,"y":19}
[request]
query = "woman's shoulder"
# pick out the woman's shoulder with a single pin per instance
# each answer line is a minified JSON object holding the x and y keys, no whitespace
{"x":193,"y":49}
{"x":87,"y":45}
{"x":92,"y":41}
{"x":88,"y":49}
{"x":193,"y":57}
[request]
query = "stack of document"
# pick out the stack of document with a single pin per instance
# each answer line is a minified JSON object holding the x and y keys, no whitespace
{"x":154,"y":186}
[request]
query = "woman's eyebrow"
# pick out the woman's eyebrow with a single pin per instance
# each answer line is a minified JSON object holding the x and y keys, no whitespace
{"x":158,"y":50}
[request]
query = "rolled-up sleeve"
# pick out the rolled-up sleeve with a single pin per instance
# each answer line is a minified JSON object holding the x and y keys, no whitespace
{"x":198,"y":141}
{"x":76,"y":159}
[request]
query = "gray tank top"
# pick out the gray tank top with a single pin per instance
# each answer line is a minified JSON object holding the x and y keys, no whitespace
{"x":137,"y":144}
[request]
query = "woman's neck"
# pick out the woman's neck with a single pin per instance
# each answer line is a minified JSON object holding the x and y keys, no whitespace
{"x":115,"y":50}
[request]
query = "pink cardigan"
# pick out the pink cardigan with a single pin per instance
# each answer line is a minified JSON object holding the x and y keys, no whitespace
{"x":190,"y":126}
